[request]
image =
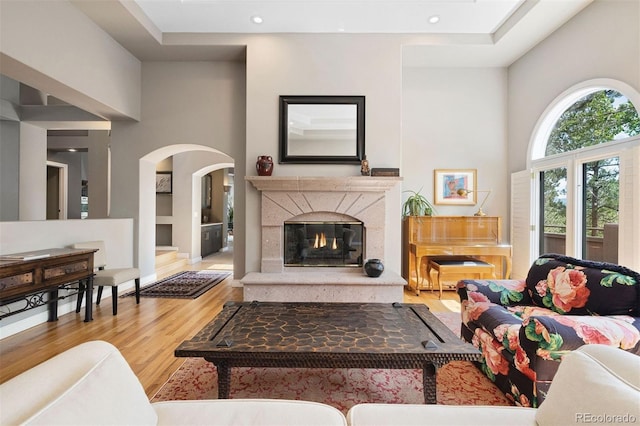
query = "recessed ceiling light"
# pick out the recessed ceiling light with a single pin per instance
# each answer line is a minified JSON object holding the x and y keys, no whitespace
{"x":256,"y":19}
{"x":434,"y":19}
{"x":71,"y":150}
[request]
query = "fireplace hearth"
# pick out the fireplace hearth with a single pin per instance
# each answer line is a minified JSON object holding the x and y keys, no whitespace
{"x":323,"y":243}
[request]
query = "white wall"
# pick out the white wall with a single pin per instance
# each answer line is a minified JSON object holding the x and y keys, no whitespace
{"x":33,"y":172}
{"x":9,"y":170}
{"x":53,"y":46}
{"x":16,"y":237}
{"x":456,"y":118}
{"x":9,"y":148}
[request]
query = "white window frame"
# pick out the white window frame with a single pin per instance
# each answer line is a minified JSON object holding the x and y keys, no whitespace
{"x":628,"y":150}
{"x":573,"y":161}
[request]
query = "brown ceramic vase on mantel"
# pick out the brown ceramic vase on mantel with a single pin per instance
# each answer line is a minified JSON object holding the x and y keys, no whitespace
{"x":264,"y":165}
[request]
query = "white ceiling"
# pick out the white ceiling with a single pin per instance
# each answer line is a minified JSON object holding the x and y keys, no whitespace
{"x":470,"y":33}
{"x":329,"y":16}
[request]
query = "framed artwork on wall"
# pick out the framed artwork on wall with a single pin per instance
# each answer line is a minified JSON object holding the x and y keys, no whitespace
{"x":164,"y":182}
{"x":454,"y":186}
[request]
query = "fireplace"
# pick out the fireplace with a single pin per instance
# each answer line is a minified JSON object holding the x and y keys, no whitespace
{"x":323,"y":243}
{"x":348,"y":215}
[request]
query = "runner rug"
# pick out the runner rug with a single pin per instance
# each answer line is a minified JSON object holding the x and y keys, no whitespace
{"x":458,"y":383}
{"x":183,"y":285}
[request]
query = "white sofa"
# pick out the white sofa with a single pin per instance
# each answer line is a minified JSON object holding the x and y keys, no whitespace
{"x":92,"y":384}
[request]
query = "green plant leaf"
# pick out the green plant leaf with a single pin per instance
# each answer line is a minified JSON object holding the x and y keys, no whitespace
{"x":417,"y":205}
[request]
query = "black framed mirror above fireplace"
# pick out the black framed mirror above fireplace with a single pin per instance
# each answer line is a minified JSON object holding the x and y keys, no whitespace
{"x":322,"y":129}
{"x":324,"y":243}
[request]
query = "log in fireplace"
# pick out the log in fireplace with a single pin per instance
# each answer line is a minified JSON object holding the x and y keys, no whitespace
{"x":321,"y":243}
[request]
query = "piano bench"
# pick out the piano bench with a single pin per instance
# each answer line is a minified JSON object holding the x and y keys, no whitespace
{"x":457,"y":267}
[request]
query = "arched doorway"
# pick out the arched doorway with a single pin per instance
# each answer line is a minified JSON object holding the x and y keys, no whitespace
{"x":189,"y":163}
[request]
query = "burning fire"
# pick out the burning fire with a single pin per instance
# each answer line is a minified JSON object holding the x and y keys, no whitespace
{"x":321,"y":241}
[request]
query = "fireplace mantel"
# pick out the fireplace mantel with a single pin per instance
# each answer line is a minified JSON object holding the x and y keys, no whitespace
{"x":326,"y":184}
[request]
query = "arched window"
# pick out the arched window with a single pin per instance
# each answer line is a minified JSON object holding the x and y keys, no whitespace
{"x":599,"y":117}
{"x":578,"y":156}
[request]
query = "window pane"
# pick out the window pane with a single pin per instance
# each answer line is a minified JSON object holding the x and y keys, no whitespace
{"x":600,"y":210}
{"x":553,"y":214}
{"x":599,"y":117}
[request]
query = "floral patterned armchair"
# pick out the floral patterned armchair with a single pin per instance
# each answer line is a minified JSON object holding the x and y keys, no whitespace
{"x":524,"y":327}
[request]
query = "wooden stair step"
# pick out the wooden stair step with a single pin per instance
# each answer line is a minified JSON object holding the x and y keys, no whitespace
{"x":167,"y":262}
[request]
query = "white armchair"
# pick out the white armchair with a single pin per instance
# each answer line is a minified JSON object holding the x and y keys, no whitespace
{"x":594,"y":384}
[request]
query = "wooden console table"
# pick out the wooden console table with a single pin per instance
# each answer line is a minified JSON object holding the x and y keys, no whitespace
{"x":45,"y":271}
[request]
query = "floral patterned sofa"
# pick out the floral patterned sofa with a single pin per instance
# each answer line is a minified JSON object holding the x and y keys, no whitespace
{"x":525,"y":327}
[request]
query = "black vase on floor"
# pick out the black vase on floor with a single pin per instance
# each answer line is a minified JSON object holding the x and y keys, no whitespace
{"x":373,"y":267}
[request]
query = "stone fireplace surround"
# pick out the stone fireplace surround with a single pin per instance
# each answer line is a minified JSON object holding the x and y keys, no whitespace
{"x":298,"y":198}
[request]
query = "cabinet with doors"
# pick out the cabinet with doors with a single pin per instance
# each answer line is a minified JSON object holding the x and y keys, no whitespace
{"x":210,"y":238}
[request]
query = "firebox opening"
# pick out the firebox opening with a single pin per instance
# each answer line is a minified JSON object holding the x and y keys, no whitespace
{"x":323,"y":244}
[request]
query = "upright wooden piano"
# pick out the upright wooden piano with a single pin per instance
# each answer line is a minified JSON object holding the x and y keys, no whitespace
{"x":476,"y":236}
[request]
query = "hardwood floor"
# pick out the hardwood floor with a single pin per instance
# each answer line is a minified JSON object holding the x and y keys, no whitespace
{"x":146,"y":334}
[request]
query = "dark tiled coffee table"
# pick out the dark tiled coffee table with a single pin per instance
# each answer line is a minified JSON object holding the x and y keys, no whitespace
{"x":327,"y":335}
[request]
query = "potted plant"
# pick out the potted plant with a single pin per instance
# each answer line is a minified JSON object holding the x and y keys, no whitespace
{"x":417,"y":205}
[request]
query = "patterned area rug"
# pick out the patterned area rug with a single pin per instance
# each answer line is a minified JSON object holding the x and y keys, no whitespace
{"x":183,"y":285}
{"x":458,"y":383}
